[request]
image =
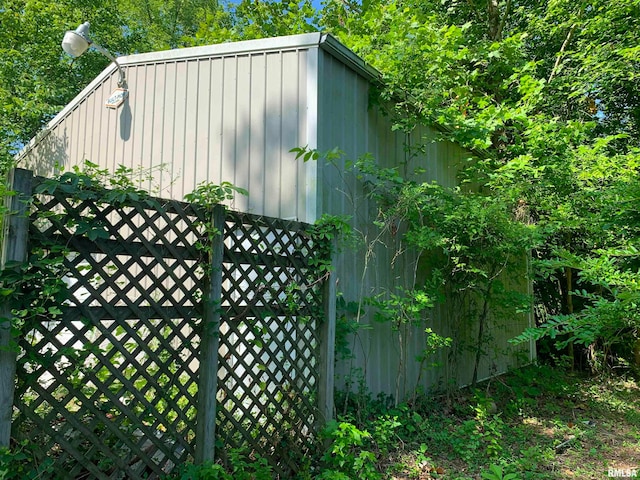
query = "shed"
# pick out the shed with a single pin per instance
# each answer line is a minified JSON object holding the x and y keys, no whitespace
{"x":232,"y":112}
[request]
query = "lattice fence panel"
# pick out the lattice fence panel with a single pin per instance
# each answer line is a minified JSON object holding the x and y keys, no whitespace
{"x":109,"y":388}
{"x":268,"y":373}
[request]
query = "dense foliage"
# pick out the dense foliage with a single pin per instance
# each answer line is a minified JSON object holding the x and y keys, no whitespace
{"x":546,"y":94}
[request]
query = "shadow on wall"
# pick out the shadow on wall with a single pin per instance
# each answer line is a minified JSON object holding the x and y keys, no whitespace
{"x":254,"y":154}
{"x":126,"y":121}
{"x":50,"y":154}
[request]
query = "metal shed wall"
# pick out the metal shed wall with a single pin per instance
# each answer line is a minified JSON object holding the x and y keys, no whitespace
{"x":231,"y":117}
{"x":386,"y":359}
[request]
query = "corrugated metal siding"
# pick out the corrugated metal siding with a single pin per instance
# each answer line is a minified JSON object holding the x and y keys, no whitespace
{"x":231,"y":118}
{"x":386,"y":358}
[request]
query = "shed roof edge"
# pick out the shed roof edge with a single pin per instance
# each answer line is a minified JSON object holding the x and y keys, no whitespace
{"x":290,"y":42}
{"x":333,"y":46}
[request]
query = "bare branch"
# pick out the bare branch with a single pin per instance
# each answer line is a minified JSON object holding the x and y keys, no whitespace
{"x":503,"y":20}
{"x":554,"y":70}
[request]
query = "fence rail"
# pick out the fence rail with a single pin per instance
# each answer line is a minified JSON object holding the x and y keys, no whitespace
{"x":162,"y":348}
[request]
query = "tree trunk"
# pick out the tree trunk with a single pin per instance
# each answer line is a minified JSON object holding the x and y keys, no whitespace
{"x":493,"y":17}
{"x":495,"y":20}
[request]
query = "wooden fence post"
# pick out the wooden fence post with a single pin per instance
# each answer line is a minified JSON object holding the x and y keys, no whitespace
{"x":209,"y":341}
{"x":327,"y":352}
{"x":14,"y":248}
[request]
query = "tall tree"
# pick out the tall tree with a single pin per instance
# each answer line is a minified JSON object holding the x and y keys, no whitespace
{"x":250,"y":19}
{"x":547,"y":90}
{"x":167,"y":24}
{"x":35,"y":79}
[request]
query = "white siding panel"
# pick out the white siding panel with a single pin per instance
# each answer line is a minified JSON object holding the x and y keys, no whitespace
{"x":309,"y":117}
{"x":164,"y":136}
{"x":152,"y":130}
{"x":109,"y":134}
{"x":72,"y":128}
{"x":123,"y":149}
{"x":256,"y":154}
{"x":274,"y":170}
{"x":94,"y":103}
{"x":228,"y":139}
{"x":181,"y":125}
{"x":192,"y":126}
{"x":203,"y":128}
{"x":242,"y":128}
{"x":82,"y":121}
{"x":213,"y":163}
{"x":291,"y":105}
{"x":143,"y":150}
{"x":229,"y":118}
{"x":134,"y":146}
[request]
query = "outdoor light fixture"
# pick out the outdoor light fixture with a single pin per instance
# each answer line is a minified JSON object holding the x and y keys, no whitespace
{"x":76,"y":42}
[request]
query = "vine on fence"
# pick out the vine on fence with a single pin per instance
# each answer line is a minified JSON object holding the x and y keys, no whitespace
{"x":36,"y":288}
{"x":208,"y":195}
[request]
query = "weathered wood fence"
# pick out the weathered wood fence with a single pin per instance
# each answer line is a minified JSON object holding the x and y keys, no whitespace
{"x":164,"y":349}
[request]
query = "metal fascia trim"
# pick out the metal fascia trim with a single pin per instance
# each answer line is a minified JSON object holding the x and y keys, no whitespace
{"x":334,"y":47}
{"x":290,"y":42}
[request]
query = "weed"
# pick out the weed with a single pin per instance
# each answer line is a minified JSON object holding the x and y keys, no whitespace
{"x":241,"y":467}
{"x":22,"y":464}
{"x":481,"y":435}
{"x":346,"y":457}
{"x":496,"y":472}
{"x":384,"y":432}
{"x":207,"y":471}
